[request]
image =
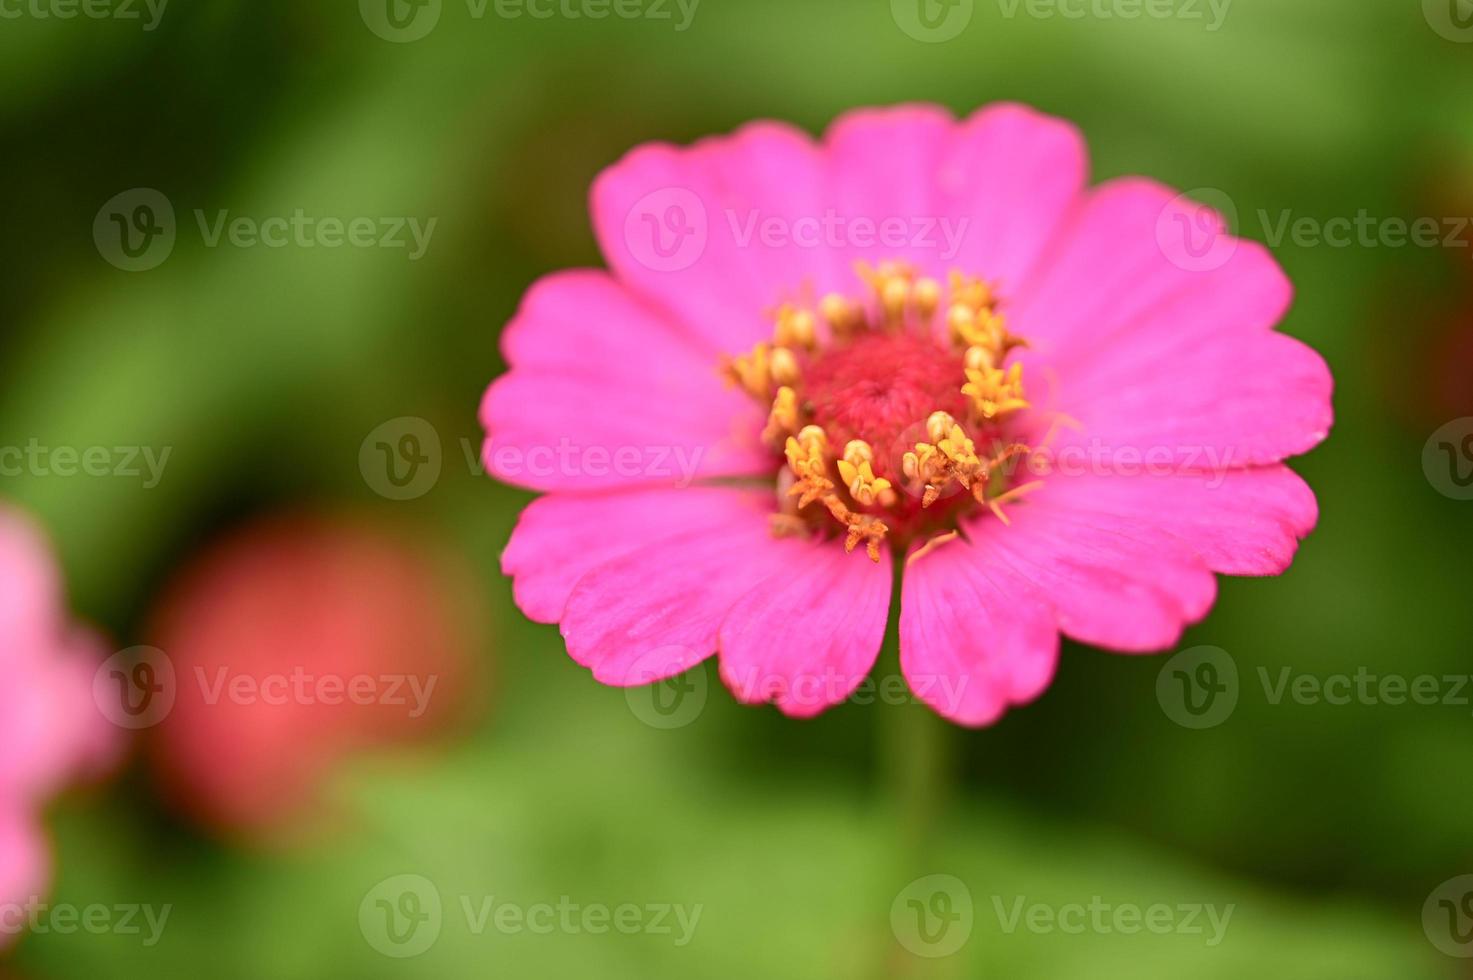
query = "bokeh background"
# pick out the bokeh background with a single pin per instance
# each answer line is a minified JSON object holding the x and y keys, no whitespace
{"x":264,"y":371}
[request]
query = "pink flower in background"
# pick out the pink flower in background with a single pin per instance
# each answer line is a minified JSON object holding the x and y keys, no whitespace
{"x":1064,"y":407}
{"x":295,"y":643}
{"x":51,"y":732}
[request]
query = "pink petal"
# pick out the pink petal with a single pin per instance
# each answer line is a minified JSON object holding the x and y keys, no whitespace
{"x":25,"y":866}
{"x":1012,"y":174}
{"x":884,"y":165}
{"x":1114,"y":581}
{"x":1241,"y":522}
{"x":1105,"y":269}
{"x":1194,"y":372}
{"x":1248,"y":293}
{"x":975,"y":638}
{"x":906,"y":182}
{"x":605,"y":392}
{"x":676,"y":225}
{"x":808,"y":635}
{"x":655,"y":612}
{"x":1209,"y":402}
{"x":30,"y":601}
{"x":562,"y":537}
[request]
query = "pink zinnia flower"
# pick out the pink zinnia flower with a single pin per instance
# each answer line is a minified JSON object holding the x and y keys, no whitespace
{"x":51,"y":732}
{"x":1065,"y":407}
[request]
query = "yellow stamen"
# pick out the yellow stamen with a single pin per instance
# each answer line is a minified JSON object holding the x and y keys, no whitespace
{"x":927,"y":297}
{"x":842,"y":316}
{"x":931,"y":546}
{"x":859,"y":476}
{"x":782,"y":421}
{"x":995,"y":392}
{"x":795,"y":328}
{"x":871,"y":530}
{"x":807,"y":454}
{"x":783,"y":366}
{"x":752,"y":372}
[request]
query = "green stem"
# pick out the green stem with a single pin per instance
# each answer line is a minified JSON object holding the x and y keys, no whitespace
{"x":916,"y":769}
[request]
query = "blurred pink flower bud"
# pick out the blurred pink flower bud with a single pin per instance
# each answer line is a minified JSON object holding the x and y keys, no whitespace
{"x":295,"y":643}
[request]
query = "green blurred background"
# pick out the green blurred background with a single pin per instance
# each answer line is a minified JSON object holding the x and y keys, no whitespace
{"x":265,"y":369}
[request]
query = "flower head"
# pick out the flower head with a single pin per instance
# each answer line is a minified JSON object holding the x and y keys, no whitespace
{"x":298,"y":642}
{"x":919,"y":337}
{"x":50,"y":729}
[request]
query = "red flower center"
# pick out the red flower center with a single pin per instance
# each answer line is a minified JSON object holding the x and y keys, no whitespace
{"x":889,"y":430}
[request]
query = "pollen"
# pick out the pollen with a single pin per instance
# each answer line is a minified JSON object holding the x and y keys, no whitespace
{"x":893,"y":409}
{"x":782,"y":420}
{"x":994,"y":391}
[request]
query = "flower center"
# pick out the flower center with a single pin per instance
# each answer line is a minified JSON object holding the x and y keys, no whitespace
{"x":892,"y":425}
